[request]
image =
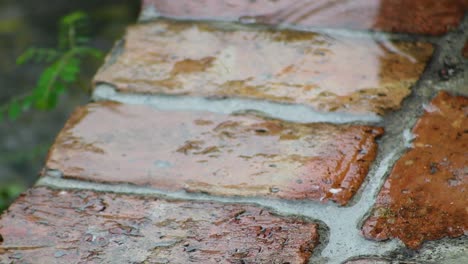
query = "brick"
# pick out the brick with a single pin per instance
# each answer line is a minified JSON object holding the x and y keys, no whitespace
{"x":431,"y":17}
{"x":227,"y":155}
{"x":50,"y":226}
{"x":329,"y":73}
{"x":425,"y":196}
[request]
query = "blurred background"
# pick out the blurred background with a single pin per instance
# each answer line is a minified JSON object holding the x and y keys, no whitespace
{"x":33,"y":23}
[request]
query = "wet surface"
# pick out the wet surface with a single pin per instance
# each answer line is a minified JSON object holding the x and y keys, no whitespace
{"x":368,"y":261}
{"x":425,"y":195}
{"x":431,"y":17}
{"x":327,"y":72}
{"x":46,"y":226}
{"x":219,"y":154}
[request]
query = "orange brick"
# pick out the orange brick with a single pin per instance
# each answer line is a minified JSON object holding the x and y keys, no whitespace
{"x":214,"y":153}
{"x":431,"y":17}
{"x":329,"y":73}
{"x":46,"y":226}
{"x":425,"y":195}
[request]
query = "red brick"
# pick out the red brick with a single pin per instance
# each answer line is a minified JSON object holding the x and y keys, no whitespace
{"x":46,"y":226}
{"x":416,"y":16}
{"x":425,"y":196}
{"x":329,"y":73}
{"x":214,"y":153}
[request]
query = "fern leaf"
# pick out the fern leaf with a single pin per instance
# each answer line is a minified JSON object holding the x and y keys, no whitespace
{"x":38,"y":55}
{"x":25,"y":57}
{"x":72,"y":26}
{"x":70,"y":71}
{"x":27,"y":102}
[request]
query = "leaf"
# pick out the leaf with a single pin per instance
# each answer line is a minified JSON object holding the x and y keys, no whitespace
{"x":64,"y":66}
{"x":14,"y":110}
{"x":46,"y":78}
{"x":70,"y":71}
{"x":38,"y":55}
{"x":27,"y":102}
{"x":73,"y":18}
{"x":71,"y":27}
{"x":13,"y":190}
{"x":52,"y":100}
{"x":60,"y":88}
{"x":25,"y":57}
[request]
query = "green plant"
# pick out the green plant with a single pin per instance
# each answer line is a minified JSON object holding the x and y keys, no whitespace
{"x":8,"y":193}
{"x":63,"y":68}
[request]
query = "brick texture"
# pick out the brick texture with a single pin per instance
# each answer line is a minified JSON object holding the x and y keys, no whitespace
{"x":431,"y":17}
{"x":425,"y":195}
{"x":214,"y":153}
{"x":46,"y":226}
{"x":282,"y":66}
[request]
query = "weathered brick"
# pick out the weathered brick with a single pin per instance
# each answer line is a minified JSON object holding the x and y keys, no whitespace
{"x":214,"y":153}
{"x":416,"y":16}
{"x":425,"y":196}
{"x":329,"y":73}
{"x":46,"y":226}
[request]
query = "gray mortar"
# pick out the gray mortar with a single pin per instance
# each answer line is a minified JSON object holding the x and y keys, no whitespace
{"x":341,"y":239}
{"x":290,"y":112}
{"x":341,"y":245}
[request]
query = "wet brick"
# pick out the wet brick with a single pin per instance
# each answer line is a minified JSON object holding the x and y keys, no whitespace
{"x":425,"y":196}
{"x":430,"y":17}
{"x":47,"y":226}
{"x":227,"y":155}
{"x":327,"y":72}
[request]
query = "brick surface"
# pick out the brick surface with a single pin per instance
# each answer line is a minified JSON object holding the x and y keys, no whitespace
{"x":416,"y":16}
{"x":329,"y":73}
{"x":214,"y":153}
{"x":425,"y":195}
{"x":46,"y":226}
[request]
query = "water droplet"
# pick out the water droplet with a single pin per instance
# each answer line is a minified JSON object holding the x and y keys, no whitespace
{"x":248,"y":20}
{"x":162,"y":164}
{"x":54,"y":173}
{"x":453,"y":182}
{"x":88,"y":237}
{"x":274,"y":189}
{"x":102,"y":241}
{"x":60,"y":254}
{"x":336,"y":190}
